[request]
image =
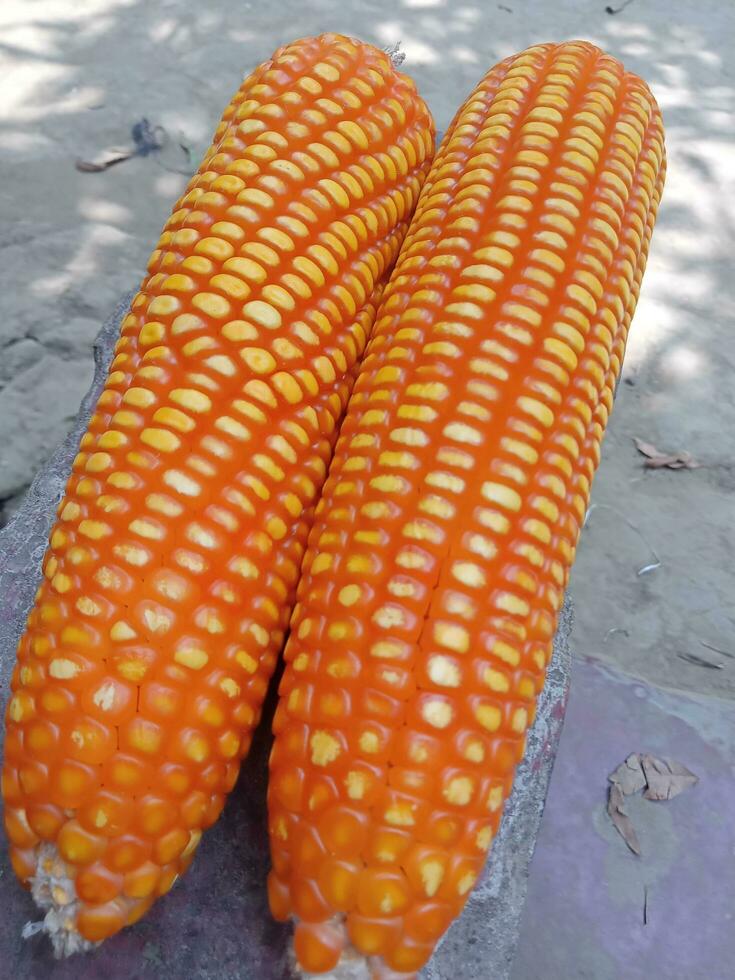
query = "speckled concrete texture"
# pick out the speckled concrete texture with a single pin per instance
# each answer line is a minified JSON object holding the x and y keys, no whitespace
{"x":215,"y":924}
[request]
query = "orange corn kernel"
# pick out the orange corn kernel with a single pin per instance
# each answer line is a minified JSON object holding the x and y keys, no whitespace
{"x":436,"y":566}
{"x":318,"y":947}
{"x":172,"y":566}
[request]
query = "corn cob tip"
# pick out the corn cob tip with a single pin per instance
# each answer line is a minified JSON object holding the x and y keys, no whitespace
{"x":329,"y":942}
{"x":355,"y":966}
{"x":53,"y":891}
{"x":352,"y":966}
{"x":397,"y":57}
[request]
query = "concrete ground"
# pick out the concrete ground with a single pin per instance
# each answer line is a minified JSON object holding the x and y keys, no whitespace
{"x":76,"y":77}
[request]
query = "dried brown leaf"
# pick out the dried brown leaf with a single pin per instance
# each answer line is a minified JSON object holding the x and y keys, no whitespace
{"x":104,"y":160}
{"x":620,"y":819}
{"x":629,"y":775}
{"x":662,"y":779}
{"x":666,"y":778}
{"x":656,"y":460}
{"x":674,"y":461}
{"x":646,"y":448}
{"x":692,"y":658}
{"x":725,"y":653}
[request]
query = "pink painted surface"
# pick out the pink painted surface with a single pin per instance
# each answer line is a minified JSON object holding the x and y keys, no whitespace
{"x":584,"y":915}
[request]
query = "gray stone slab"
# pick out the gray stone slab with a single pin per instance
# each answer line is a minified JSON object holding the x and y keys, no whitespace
{"x":215,"y":924}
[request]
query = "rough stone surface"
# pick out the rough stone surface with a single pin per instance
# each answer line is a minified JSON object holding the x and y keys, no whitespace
{"x":29,"y":429}
{"x":215,"y":924}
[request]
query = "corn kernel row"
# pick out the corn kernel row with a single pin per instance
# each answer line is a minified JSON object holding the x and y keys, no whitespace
{"x":172,"y":565}
{"x":443,"y":540}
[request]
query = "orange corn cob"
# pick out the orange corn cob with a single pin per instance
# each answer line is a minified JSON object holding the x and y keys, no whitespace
{"x":173,"y":563}
{"x":444,"y":537}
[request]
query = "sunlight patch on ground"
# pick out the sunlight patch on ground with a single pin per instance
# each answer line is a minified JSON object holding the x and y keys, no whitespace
{"x":98,"y":209}
{"x":682,"y":362}
{"x":417,"y":52}
{"x":82,"y":266}
{"x":170,"y":185}
{"x":466,"y":55}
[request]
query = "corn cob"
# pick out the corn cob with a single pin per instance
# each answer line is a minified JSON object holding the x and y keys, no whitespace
{"x":444,"y":537}
{"x":173,"y":563}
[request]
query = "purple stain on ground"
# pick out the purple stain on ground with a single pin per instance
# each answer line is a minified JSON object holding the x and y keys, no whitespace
{"x":584,"y":916}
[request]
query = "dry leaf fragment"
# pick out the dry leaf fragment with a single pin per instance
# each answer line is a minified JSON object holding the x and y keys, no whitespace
{"x":656,"y":460}
{"x":147,"y":139}
{"x":104,"y":160}
{"x":673,"y":461}
{"x":692,"y":658}
{"x":725,"y":653}
{"x":651,"y":567}
{"x":629,"y":775}
{"x":666,"y":778}
{"x":614,"y":631}
{"x":620,"y":818}
{"x":662,"y":779}
{"x":646,"y":448}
